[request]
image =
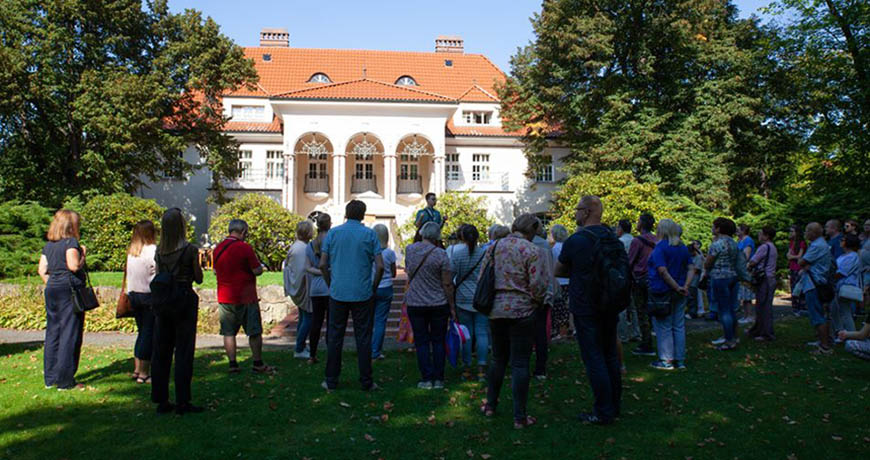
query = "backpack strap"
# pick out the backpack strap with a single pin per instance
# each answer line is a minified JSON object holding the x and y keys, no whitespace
{"x":223,"y":250}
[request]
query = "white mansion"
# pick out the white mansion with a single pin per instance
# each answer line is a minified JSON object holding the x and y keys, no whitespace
{"x":325,"y":126}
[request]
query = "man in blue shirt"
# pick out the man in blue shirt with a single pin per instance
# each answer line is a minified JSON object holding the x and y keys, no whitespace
{"x":832,"y":231}
{"x":596,"y":331}
{"x":429,"y":213}
{"x":815,"y":263}
{"x":347,"y":256}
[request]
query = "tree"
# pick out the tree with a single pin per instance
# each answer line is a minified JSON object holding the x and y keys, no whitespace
{"x":673,"y":91}
{"x":96,"y":96}
{"x":272,"y":228}
{"x":459,"y":207}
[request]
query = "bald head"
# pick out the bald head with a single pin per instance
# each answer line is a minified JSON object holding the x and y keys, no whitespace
{"x":813,"y":231}
{"x":588,"y":211}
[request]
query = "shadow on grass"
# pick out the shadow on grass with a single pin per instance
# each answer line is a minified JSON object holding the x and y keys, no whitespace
{"x":8,"y":349}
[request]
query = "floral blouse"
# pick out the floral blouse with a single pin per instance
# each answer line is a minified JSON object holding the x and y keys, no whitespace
{"x":522,"y":277}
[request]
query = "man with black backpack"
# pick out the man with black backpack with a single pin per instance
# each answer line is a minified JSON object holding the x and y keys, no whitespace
{"x":599,"y":289}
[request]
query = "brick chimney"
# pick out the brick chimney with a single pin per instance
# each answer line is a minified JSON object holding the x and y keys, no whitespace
{"x":275,"y":37}
{"x":449,"y":44}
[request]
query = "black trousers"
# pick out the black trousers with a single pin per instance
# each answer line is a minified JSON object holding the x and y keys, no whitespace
{"x":320,"y":308}
{"x":511,"y":340}
{"x":596,"y":335}
{"x":430,"y":329}
{"x":363,"y":315}
{"x":144,"y":347}
{"x":542,"y":340}
{"x":63,"y":337}
{"x":175,"y":333}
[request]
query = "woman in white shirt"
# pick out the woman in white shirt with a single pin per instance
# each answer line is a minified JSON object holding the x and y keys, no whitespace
{"x":140,"y":270}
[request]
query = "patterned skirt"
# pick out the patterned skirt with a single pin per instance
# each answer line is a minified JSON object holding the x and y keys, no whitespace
{"x":745,"y":293}
{"x":561,"y":314}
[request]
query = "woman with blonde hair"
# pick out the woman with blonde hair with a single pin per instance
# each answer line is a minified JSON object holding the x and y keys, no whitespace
{"x":175,"y":326}
{"x":296,"y":284}
{"x":61,"y":268}
{"x":140,"y":270}
{"x":318,"y":291}
{"x":384,"y":294}
{"x":670,"y":275}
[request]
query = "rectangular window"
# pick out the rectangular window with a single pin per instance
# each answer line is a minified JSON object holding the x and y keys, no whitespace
{"x":274,"y":164}
{"x":453,"y":171}
{"x":364,"y":171}
{"x":246,"y":163}
{"x":248,"y":113}
{"x":545,"y":172}
{"x":480,"y":167}
{"x":476,"y":117}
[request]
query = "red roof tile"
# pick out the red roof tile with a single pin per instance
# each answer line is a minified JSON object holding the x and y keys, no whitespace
{"x":477,"y":94}
{"x":254,"y":127}
{"x":480,"y":131}
{"x":364,"y":89}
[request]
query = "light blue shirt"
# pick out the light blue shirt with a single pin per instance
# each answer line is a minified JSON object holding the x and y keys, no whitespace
{"x":818,"y":255}
{"x":351,"y":248}
{"x":849,"y":267}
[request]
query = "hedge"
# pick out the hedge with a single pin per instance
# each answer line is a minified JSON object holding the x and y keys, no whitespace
{"x":22,"y":234}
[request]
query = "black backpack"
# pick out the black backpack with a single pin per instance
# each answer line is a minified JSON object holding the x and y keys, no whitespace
{"x":611,"y":277}
{"x":165,"y":291}
{"x":484,"y":293}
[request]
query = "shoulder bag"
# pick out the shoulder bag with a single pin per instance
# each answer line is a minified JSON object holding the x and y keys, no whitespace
{"x":759,"y":272}
{"x":124,"y":309}
{"x":484,"y":294}
{"x":84,"y":297}
{"x":850,"y":292}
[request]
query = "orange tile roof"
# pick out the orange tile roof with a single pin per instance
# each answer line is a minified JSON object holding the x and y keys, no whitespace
{"x":477,"y":94}
{"x":290,"y":68}
{"x":365,"y":89}
{"x":479,"y":131}
{"x":254,"y":127}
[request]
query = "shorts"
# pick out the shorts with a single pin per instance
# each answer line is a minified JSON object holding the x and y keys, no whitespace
{"x":235,"y":316}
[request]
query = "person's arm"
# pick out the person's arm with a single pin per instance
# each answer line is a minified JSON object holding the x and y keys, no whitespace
{"x":324,"y":267}
{"x":43,"y":268}
{"x":756,"y":259}
{"x":689,"y":277}
{"x":666,"y":277}
{"x":562,"y":267}
{"x":197,"y":270}
{"x":418,"y":221}
{"x":863,"y":334}
{"x":379,"y":273}
{"x":539,"y":277}
{"x":75,"y":259}
{"x":393,"y":269}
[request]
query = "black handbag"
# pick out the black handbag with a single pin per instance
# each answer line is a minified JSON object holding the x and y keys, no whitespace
{"x":84,"y":297}
{"x":759,"y":271}
{"x":484,"y":294}
{"x":659,"y":305}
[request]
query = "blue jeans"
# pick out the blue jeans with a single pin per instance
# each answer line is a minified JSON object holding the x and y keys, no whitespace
{"x":814,"y":307}
{"x":144,"y":347}
{"x":383,"y":301}
{"x":596,"y":335}
{"x":478,"y":326}
{"x":725,"y":298}
{"x":430,"y":330}
{"x":671,"y":329}
{"x":841,"y":315}
{"x":512,"y":341}
{"x":303,"y":326}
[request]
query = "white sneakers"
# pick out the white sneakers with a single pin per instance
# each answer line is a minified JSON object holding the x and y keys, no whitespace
{"x":304,"y":354}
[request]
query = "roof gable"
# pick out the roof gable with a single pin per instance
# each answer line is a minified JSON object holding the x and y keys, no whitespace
{"x":364,"y":89}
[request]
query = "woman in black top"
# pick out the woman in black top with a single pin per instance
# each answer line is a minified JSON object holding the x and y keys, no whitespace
{"x":60,"y":268}
{"x":175,"y":328}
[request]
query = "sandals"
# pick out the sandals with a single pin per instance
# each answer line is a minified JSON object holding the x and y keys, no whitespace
{"x":487,"y":410}
{"x":143,"y":380}
{"x":134,"y":376}
{"x":264,"y":369}
{"x":526,"y":422}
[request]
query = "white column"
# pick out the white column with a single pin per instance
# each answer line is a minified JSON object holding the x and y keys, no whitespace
{"x":289,"y":192}
{"x":338,"y":178}
{"x":390,"y":181}
{"x":440,"y":178}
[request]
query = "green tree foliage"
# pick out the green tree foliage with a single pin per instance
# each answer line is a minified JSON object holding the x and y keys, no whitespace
{"x":107,"y":226}
{"x":272,"y":229}
{"x":22,"y":234}
{"x":676,"y":92}
{"x":96,"y":96}
{"x":459,"y":207}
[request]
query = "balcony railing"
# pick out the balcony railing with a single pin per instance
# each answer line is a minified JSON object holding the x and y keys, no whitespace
{"x":255,"y":178}
{"x":362,"y":185}
{"x":407,"y":185}
{"x":316,"y":184}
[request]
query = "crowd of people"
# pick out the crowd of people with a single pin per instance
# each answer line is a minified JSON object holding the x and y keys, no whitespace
{"x":601,"y":285}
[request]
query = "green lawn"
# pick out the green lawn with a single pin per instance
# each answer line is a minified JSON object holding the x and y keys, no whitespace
{"x":115,"y":278}
{"x":772,"y":401}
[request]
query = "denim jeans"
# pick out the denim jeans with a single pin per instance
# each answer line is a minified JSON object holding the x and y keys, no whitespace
{"x":725,"y":298}
{"x":814,"y":307}
{"x":430,"y":330}
{"x":363,"y":317}
{"x":63,"y":337}
{"x":671,"y":329}
{"x":383,"y":302}
{"x":144,"y":347}
{"x":478,"y":326}
{"x":303,"y":327}
{"x":841,"y":315}
{"x":596,"y":335}
{"x":511,"y":342}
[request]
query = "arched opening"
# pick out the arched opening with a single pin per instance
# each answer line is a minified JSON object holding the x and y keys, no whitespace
{"x":313,"y":151}
{"x":365,"y":153}
{"x":414,"y":153}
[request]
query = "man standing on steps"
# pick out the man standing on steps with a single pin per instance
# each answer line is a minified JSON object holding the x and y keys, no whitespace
{"x":237,"y":268}
{"x":347,"y":255}
{"x":429,"y":213}
{"x":638,"y":255}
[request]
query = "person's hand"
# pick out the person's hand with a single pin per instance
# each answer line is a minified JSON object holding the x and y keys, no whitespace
{"x":453,"y":314}
{"x":683,"y":291}
{"x":84,"y":250}
{"x":841,"y":335}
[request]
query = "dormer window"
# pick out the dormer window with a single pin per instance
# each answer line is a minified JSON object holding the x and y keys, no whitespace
{"x":406,"y":81}
{"x":476,"y":117}
{"x":248,"y":112}
{"x":319,"y":78}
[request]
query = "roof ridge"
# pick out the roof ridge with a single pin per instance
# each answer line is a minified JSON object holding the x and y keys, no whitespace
{"x":360,"y":80}
{"x":479,"y":88}
{"x":404,"y":87}
{"x":314,"y":88}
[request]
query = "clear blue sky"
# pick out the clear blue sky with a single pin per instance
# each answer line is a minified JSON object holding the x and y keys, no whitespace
{"x":494,"y":28}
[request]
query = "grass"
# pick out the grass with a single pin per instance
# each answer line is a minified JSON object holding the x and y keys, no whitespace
{"x":114,"y":279}
{"x":762,"y":401}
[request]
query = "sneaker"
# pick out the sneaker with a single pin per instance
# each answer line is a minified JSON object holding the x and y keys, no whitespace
{"x":643,"y":351}
{"x":424,"y":385}
{"x":373,"y":387}
{"x":438,"y":385}
{"x":745,"y":320}
{"x":304,"y":354}
{"x":838,"y":341}
{"x":661,"y":365}
{"x":325,"y":386}
{"x":718,"y":341}
{"x":592,"y":419}
{"x":814,"y":344}
{"x":681,"y":366}
{"x":823,"y":351}
{"x":688,"y":316}
{"x":541,"y":377}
